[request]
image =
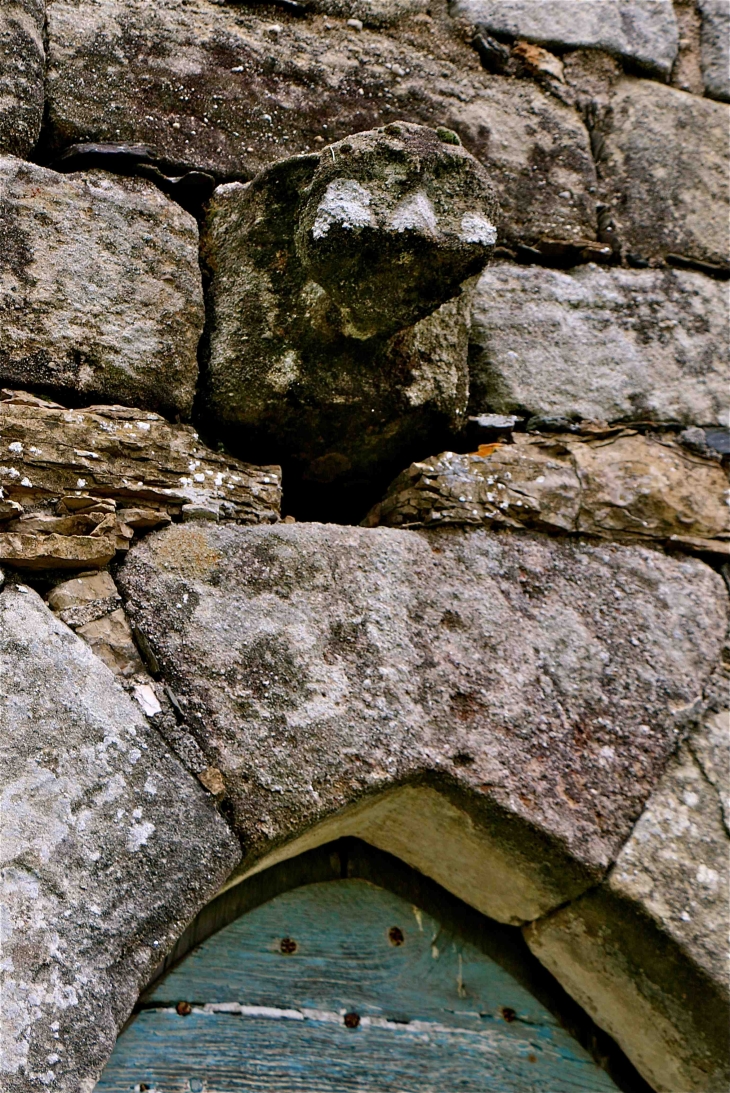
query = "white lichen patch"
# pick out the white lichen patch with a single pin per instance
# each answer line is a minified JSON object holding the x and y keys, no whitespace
{"x":346,"y":204}
{"x":475,"y":229}
{"x":415,"y":213}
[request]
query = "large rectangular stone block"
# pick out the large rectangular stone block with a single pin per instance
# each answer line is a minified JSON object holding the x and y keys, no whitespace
{"x":663,"y":158}
{"x":100,"y":288}
{"x":610,"y":344}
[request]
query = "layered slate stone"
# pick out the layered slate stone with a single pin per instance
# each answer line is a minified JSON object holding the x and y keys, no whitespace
{"x":663,"y":160}
{"x":78,"y":484}
{"x":339,"y":335}
{"x":22,"y":63}
{"x":610,"y":484}
{"x":648,"y":949}
{"x":715,"y":48}
{"x":643,"y":32}
{"x":602,"y":344}
{"x":495,"y":709}
{"x":213,"y":87}
{"x":100,"y":290}
{"x":109,"y":847}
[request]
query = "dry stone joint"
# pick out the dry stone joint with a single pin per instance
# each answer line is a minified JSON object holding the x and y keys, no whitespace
{"x":364,"y":452}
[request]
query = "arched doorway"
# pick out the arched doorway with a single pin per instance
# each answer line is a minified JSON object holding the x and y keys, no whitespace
{"x":344,"y":970}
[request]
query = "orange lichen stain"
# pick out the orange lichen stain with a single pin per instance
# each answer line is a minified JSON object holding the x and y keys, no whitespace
{"x":486,"y":449}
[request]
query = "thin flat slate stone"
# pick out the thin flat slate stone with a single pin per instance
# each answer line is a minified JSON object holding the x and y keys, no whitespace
{"x":273,"y":994}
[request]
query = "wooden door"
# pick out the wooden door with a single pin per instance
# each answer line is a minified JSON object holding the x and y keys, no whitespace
{"x":339,"y":986}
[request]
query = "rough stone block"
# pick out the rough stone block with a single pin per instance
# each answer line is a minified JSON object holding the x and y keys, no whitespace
{"x":648,"y":950}
{"x":715,"y":47}
{"x":22,"y":63}
{"x":663,"y":158}
{"x":640,"y":31}
{"x":343,"y":680}
{"x":206,"y":86}
{"x":109,"y":847}
{"x":339,"y":337}
{"x":601,"y":344}
{"x":100,"y":291}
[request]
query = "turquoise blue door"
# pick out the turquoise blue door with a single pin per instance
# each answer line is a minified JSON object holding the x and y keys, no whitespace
{"x":340,"y":986}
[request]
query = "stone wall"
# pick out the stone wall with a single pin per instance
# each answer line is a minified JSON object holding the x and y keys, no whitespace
{"x":364,"y":471}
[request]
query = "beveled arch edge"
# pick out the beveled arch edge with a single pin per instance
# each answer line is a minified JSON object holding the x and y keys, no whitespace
{"x":350,"y":858}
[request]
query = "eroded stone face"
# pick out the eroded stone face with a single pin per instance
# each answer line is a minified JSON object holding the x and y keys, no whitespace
{"x":208,"y":85}
{"x":339,"y":332}
{"x":664,"y":169}
{"x":108,"y":848}
{"x":602,"y":344}
{"x":541,"y":685}
{"x":392,"y":222}
{"x":100,"y":289}
{"x":22,"y":60}
{"x":641,"y":31}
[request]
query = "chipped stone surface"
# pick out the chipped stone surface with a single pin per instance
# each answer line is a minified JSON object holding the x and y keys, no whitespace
{"x":641,"y":31}
{"x":372,"y":13}
{"x":623,"y":484}
{"x":84,"y":599}
{"x":110,"y":637}
{"x":715,"y":47}
{"x":663,"y":161}
{"x":100,"y":291}
{"x":206,"y":85}
{"x":646,"y":953}
{"x":602,"y":344}
{"x":97,"y":881}
{"x":134,"y":457}
{"x":338,"y":333}
{"x":676,"y":865}
{"x":22,"y":61}
{"x":540,"y":685}
{"x":36,"y":550}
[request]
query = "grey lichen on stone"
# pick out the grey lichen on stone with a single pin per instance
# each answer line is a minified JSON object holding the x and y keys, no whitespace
{"x":606,"y":344}
{"x":663,"y":165}
{"x":715,"y":47}
{"x":643,"y":32}
{"x":372,"y":13}
{"x":339,"y":334}
{"x":109,"y":847}
{"x":22,"y":76}
{"x":536,"y":686}
{"x":100,"y":288}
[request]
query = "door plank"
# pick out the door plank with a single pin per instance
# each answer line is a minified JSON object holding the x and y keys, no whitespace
{"x":432,"y":1011}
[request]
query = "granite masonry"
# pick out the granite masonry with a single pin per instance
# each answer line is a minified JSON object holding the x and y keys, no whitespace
{"x":364,"y":447}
